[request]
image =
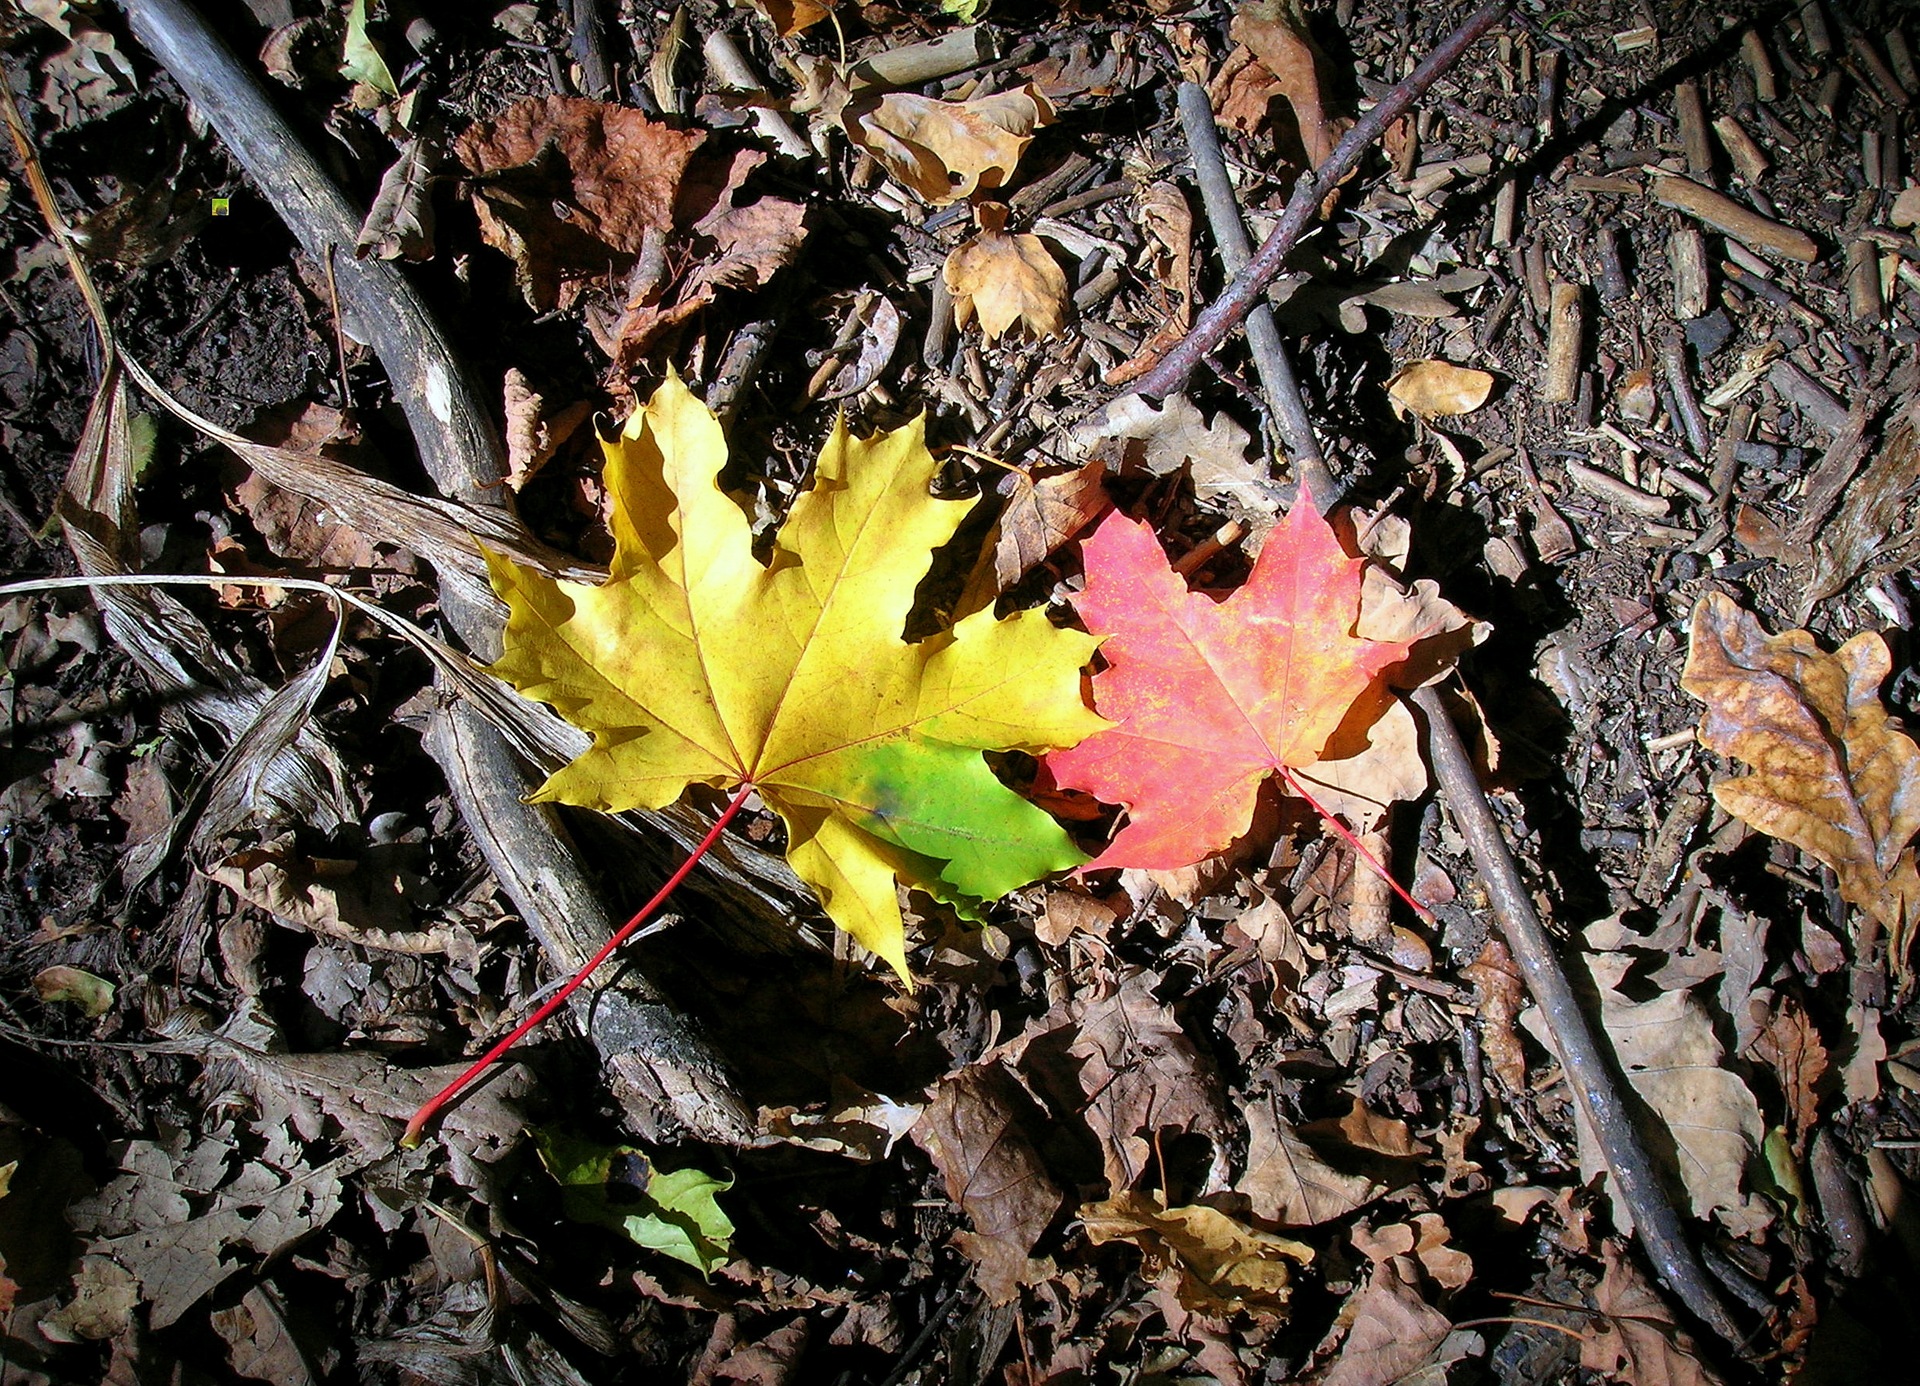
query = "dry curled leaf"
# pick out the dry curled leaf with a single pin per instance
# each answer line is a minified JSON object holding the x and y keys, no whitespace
{"x":1213,"y":1263}
{"x":1006,"y":280}
{"x":1637,"y":1341}
{"x":1276,"y":56}
{"x":1286,"y":1180}
{"x":1833,"y":774}
{"x":1174,"y":434}
{"x":947,"y":150}
{"x":1394,"y":1331}
{"x":1438,"y":389}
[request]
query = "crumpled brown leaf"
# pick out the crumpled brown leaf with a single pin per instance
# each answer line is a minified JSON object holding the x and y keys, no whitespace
{"x":1638,"y":1341}
{"x":1142,"y":1076}
{"x":1007,"y":280}
{"x":534,"y":435}
{"x":1042,"y":515}
{"x":947,"y":150}
{"x":1286,"y":1181}
{"x":1215,"y":1264}
{"x":789,"y":17}
{"x":993,"y":1173}
{"x":1175,"y":433}
{"x":1832,"y":774}
{"x":562,"y":180}
{"x":1277,"y":56}
{"x":1437,"y":389}
{"x":1394,"y":1331}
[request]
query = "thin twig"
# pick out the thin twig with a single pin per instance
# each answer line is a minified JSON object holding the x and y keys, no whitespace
{"x":1270,"y":358}
{"x":1231,"y":308}
{"x":1584,"y":1060}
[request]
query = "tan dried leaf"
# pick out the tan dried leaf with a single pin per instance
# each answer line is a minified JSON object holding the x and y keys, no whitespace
{"x":1174,"y":434}
{"x":1499,"y":994}
{"x":1143,"y":1075}
{"x":993,"y":1173}
{"x":1790,"y":1043}
{"x":789,"y":17}
{"x":1211,"y":1262}
{"x":1437,"y":389}
{"x":1287,"y":1182}
{"x":1394,"y":1331}
{"x":1832,"y":774}
{"x":1277,"y":56}
{"x":948,"y":150}
{"x":1638,"y":1342}
{"x":1006,"y":280}
{"x":1675,"y":1062}
{"x":533,"y":436}
{"x":1041,"y":516}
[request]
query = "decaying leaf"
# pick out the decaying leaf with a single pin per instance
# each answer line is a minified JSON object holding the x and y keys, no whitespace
{"x":562,"y":181}
{"x":1638,"y":1342}
{"x":1144,"y":1079}
{"x":1675,"y":1062}
{"x":1006,"y":279}
{"x":947,"y":150}
{"x":1174,"y":434}
{"x":1833,"y":775}
{"x":76,"y":986}
{"x":993,"y":1173}
{"x":177,"y":1214}
{"x":1792,"y":1045}
{"x":1286,"y":1180}
{"x":1438,"y":389}
{"x":694,"y":663}
{"x":1499,"y":995}
{"x":673,"y":1212}
{"x":1213,"y":1263}
{"x":377,"y":901}
{"x":1042,"y":515}
{"x":533,"y":435}
{"x":1214,"y":696}
{"x":399,"y":224}
{"x":1276,"y":56}
{"x":855,"y":1123}
{"x":1394,"y":1331}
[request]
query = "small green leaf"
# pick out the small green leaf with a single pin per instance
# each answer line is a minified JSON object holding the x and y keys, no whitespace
{"x":93,"y":995}
{"x":673,"y":1212}
{"x":966,"y":11}
{"x":360,"y":61}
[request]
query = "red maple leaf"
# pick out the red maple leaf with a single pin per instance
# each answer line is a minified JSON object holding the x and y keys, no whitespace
{"x":1213,"y":695}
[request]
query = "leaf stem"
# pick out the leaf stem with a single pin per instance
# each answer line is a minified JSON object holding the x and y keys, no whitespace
{"x":1293,"y":783}
{"x":416,"y":1128}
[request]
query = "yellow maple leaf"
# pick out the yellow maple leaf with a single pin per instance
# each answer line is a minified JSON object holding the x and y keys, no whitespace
{"x":695,"y":663}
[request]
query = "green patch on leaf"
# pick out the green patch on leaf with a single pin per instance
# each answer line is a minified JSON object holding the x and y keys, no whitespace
{"x":360,"y":61}
{"x":93,"y":995}
{"x":966,"y":11}
{"x":673,"y":1212}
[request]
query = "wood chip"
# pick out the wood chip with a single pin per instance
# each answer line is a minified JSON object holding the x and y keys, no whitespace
{"x":1565,"y":327}
{"x":1730,"y":218}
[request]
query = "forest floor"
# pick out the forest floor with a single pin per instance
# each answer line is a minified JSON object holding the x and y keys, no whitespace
{"x":1610,"y":345}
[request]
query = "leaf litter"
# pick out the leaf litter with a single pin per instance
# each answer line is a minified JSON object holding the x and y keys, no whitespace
{"x":1116,"y":1101}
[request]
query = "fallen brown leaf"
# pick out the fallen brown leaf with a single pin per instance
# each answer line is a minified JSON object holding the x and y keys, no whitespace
{"x":1287,"y":1182}
{"x":1042,"y":515}
{"x":1638,"y":1342}
{"x":1832,"y":774}
{"x":533,"y":435}
{"x":993,"y":1173}
{"x":1789,"y":1042}
{"x":1437,"y":389}
{"x":1143,"y":1076}
{"x":562,"y":180}
{"x":789,"y":17}
{"x":947,"y":150}
{"x":1214,"y":1264}
{"x":1500,"y":995}
{"x":1006,"y":279}
{"x":1393,"y":1332}
{"x":1276,"y":56}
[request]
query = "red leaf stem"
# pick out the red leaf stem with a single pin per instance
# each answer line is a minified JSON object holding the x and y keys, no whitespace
{"x":1347,"y":837}
{"x":416,"y":1128}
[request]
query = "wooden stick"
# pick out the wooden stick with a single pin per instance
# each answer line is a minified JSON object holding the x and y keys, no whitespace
{"x":1566,"y":325}
{"x":1725,"y":215}
{"x":1230,"y":309}
{"x":1270,"y":359}
{"x":1585,"y":1062}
